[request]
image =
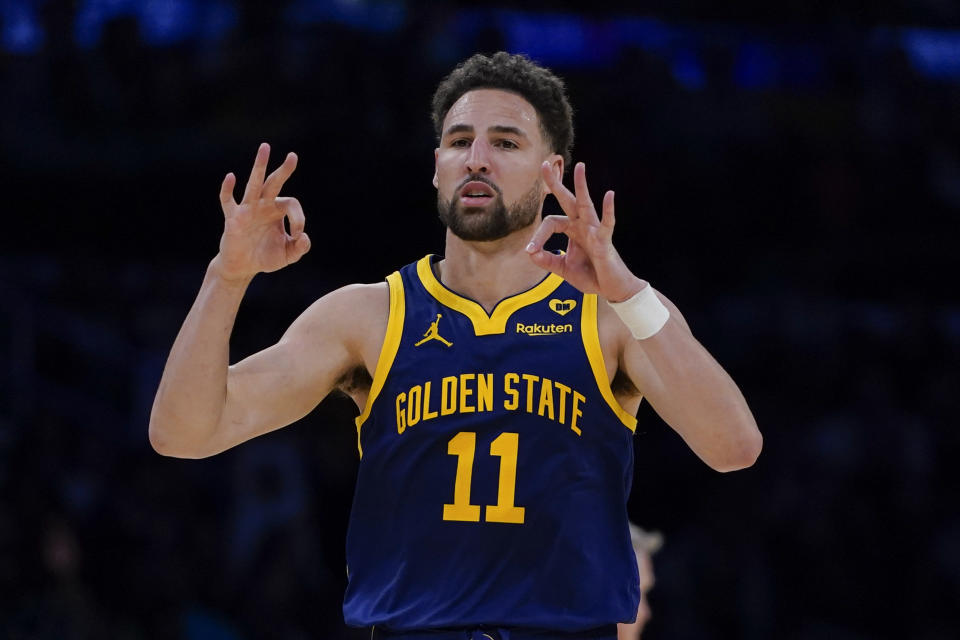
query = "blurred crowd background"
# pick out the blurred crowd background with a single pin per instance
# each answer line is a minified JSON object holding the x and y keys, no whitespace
{"x":788,"y":173}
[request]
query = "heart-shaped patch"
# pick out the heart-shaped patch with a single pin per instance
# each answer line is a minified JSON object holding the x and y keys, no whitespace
{"x":563,"y":307}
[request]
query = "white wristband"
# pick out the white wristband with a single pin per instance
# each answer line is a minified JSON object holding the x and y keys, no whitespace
{"x":643,"y":314}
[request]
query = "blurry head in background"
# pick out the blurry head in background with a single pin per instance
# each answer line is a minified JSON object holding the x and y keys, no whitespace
{"x":645,"y":544}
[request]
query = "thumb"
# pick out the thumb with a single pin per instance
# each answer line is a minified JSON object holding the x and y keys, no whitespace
{"x":297,"y":247}
{"x":548,"y":260}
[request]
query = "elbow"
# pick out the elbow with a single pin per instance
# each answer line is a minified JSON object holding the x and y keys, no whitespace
{"x":743,"y":454}
{"x":162,"y":442}
{"x":158,"y":430}
{"x":159,"y":440}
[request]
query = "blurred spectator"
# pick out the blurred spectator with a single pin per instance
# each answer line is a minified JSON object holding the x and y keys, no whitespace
{"x":645,"y":544}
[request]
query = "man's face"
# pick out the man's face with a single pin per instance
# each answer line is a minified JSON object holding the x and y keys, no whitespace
{"x":488,"y":165}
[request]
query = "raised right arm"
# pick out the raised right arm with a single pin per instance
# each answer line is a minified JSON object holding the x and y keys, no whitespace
{"x":203,"y":405}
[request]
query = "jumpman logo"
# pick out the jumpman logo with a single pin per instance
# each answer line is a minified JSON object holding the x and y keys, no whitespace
{"x":434,"y":334}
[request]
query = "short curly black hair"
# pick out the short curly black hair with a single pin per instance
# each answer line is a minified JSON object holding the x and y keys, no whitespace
{"x":516,"y":73}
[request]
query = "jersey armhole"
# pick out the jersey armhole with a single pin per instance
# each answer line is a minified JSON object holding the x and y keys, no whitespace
{"x":591,"y":343}
{"x":391,"y":343}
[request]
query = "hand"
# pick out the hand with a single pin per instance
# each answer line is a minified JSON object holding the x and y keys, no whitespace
{"x":591,"y":263}
{"x":254,"y":239}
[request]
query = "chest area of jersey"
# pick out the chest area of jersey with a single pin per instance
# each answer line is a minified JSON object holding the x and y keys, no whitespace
{"x":445,"y":371}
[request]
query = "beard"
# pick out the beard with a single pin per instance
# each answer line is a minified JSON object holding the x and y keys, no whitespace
{"x":494,"y":221}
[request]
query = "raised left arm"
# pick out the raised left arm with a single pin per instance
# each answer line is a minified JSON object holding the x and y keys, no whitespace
{"x":683,"y":383}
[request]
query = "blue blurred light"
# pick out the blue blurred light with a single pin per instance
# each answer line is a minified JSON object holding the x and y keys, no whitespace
{"x":93,"y":14}
{"x":22,"y":32}
{"x":755,"y":66}
{"x":935,"y":54}
{"x":379,"y":16}
{"x":557,"y":39}
{"x":166,"y":22}
{"x":218,"y":18}
{"x":687,"y":69}
{"x":649,"y":34}
{"x":161,"y":22}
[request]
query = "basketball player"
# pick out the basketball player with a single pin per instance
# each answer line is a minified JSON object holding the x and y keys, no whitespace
{"x":497,"y":385}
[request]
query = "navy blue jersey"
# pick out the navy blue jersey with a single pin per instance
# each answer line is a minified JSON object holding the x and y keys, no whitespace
{"x":495,"y":467}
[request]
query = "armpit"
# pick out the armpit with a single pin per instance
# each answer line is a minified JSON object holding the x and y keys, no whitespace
{"x":355,"y":381}
{"x":622,"y":385}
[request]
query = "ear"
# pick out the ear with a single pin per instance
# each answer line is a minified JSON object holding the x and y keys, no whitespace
{"x":556,"y":165}
{"x":436,"y":154}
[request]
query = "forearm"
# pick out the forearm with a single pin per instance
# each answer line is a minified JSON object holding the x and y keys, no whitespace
{"x":192,"y":391}
{"x":696,"y":397}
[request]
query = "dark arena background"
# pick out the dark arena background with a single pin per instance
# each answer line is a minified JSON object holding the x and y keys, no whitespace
{"x":788,"y":173}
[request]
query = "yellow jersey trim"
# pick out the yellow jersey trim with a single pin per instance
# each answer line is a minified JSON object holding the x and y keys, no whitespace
{"x":483,"y":324}
{"x":391,"y":343}
{"x":591,"y":342}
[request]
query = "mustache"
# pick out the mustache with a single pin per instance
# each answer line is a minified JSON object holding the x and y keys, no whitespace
{"x":476,"y":177}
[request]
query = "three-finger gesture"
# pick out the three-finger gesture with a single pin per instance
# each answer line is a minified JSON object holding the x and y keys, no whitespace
{"x":254,"y":238}
{"x":591,"y":263}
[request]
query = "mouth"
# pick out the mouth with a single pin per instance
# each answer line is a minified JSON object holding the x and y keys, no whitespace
{"x":476,"y":194}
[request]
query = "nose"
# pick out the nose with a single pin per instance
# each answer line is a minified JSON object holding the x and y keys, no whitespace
{"x":478,"y":160}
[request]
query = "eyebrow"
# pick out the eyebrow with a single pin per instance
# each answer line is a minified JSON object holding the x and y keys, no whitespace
{"x":468,"y":128}
{"x":504,"y":129}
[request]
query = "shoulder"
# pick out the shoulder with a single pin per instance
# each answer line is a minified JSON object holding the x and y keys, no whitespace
{"x":350,"y":312}
{"x":346,"y":326}
{"x":358,"y":298}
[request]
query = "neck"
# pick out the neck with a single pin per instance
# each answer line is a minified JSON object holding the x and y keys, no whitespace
{"x":488,"y":272}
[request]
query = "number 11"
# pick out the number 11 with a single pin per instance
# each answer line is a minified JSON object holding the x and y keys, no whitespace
{"x":505,"y":446}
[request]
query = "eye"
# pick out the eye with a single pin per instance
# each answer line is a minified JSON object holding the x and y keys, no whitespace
{"x":507,"y":144}
{"x":460,"y":143}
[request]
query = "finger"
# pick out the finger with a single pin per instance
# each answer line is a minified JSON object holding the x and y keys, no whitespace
{"x":292,"y":209}
{"x":549,"y":226}
{"x":568,"y":202}
{"x":297,"y":247}
{"x":226,"y":192}
{"x":276,"y":179}
{"x":549,"y":261}
{"x":608,"y":218}
{"x":255,"y":183}
{"x":585,"y":206}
